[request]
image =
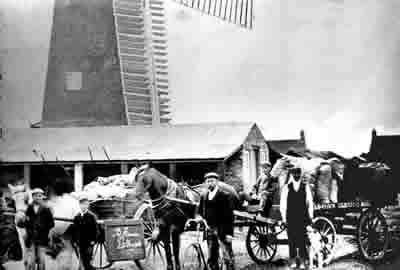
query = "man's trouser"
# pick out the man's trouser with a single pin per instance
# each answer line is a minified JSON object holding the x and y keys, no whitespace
{"x":37,"y":257}
{"x":297,"y":238}
{"x":213,"y":242}
{"x":86,"y":257}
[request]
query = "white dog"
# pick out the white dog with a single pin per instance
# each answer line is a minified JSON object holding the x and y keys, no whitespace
{"x":316,"y":248}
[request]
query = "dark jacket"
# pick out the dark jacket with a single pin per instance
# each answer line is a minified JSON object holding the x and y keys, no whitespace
{"x":86,"y":228}
{"x":218,"y":212}
{"x":38,"y":225}
{"x":265,"y":183}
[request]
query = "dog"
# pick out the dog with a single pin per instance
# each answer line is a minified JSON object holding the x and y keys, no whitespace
{"x":315,"y":251}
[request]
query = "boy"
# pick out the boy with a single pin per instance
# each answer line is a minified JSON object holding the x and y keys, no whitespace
{"x":86,"y":227}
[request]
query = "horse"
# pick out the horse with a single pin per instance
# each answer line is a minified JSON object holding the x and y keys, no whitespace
{"x":172,"y":217}
{"x":65,"y":259}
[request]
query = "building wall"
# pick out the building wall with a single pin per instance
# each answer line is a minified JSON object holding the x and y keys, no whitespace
{"x":233,"y":174}
{"x":83,"y":41}
{"x":255,"y":150}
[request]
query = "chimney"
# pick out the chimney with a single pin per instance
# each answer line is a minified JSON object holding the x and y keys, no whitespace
{"x":302,"y":136}
{"x":374,"y":134}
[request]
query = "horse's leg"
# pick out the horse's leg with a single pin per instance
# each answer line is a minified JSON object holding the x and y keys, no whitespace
{"x":176,"y":247}
{"x":165,"y":238}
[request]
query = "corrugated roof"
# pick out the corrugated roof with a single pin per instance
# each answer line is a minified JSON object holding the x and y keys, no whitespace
{"x":165,"y":142}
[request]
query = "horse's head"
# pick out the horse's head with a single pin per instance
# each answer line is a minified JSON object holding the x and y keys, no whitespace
{"x":20,"y":195}
{"x":21,"y":198}
{"x":142,"y":182}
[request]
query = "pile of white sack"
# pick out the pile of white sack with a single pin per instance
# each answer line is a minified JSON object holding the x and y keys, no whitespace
{"x":112,"y":187}
{"x":316,"y":171}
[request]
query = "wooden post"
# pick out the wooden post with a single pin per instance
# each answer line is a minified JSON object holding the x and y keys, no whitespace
{"x":172,"y":171}
{"x":78,"y":176}
{"x":27,"y":176}
{"x":246,"y":169}
{"x":124,"y":168}
{"x":221,"y":170}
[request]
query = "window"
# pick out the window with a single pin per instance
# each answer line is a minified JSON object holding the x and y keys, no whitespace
{"x":73,"y":81}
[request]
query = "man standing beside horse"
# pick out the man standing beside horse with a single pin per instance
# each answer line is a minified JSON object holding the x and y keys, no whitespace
{"x":216,"y":206}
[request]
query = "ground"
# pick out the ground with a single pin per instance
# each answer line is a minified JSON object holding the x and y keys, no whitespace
{"x":346,"y":256}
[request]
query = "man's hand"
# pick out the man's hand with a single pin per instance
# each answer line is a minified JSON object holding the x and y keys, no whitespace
{"x":228,"y":239}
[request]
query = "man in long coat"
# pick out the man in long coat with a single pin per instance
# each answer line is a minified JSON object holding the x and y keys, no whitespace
{"x":216,"y":207}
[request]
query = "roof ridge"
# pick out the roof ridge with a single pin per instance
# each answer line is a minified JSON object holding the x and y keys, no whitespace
{"x":138,"y":126}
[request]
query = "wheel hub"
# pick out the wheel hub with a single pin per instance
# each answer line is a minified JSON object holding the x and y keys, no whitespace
{"x":263,"y":240}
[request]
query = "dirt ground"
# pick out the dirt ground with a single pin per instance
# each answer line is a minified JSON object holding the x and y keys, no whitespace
{"x":346,"y":256}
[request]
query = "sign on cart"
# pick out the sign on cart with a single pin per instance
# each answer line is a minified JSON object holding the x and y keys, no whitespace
{"x":124,"y":239}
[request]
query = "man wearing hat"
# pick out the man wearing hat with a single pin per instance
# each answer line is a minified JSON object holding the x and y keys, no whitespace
{"x":216,"y":206}
{"x":38,"y":223}
{"x":296,"y":208}
{"x":87,"y":231}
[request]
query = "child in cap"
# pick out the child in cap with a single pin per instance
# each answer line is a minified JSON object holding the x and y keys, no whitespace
{"x":87,"y":231}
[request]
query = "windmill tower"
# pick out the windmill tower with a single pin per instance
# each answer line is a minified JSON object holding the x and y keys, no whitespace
{"x":108,"y":60}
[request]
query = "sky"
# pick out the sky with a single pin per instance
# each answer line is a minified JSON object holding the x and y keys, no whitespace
{"x":326,"y":66}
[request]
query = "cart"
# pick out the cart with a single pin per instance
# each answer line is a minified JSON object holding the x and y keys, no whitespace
{"x":119,"y":240}
{"x":139,"y":222}
{"x":360,"y":219}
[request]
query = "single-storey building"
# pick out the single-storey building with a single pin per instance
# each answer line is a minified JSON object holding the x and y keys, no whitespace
{"x":184,"y":152}
{"x":286,"y":146}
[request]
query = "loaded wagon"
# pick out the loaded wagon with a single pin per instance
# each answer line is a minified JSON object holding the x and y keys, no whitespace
{"x":360,"y":217}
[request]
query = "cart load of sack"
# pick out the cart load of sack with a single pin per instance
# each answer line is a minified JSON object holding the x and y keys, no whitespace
{"x":330,"y":178}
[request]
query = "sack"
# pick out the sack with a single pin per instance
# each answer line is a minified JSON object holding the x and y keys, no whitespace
{"x":324,"y":182}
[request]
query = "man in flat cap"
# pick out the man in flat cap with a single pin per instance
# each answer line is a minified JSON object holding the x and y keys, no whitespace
{"x":87,"y":231}
{"x":216,"y":206}
{"x":296,"y":208}
{"x":39,"y":221}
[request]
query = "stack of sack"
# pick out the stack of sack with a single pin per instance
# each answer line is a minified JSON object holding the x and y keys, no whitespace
{"x":112,"y":187}
{"x":317,"y":172}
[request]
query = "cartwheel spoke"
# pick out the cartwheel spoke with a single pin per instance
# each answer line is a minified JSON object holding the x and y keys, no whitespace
{"x":160,"y":254}
{"x":101,"y":254}
{"x":258,"y":250}
{"x":267,"y":251}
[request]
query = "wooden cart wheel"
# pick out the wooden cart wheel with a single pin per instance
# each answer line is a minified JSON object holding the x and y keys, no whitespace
{"x":372,"y":235}
{"x":261,"y":243}
{"x":99,"y":254}
{"x":155,"y":254}
{"x":328,"y":233}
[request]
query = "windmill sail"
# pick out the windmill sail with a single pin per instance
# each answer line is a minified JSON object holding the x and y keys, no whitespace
{"x":239,"y":12}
